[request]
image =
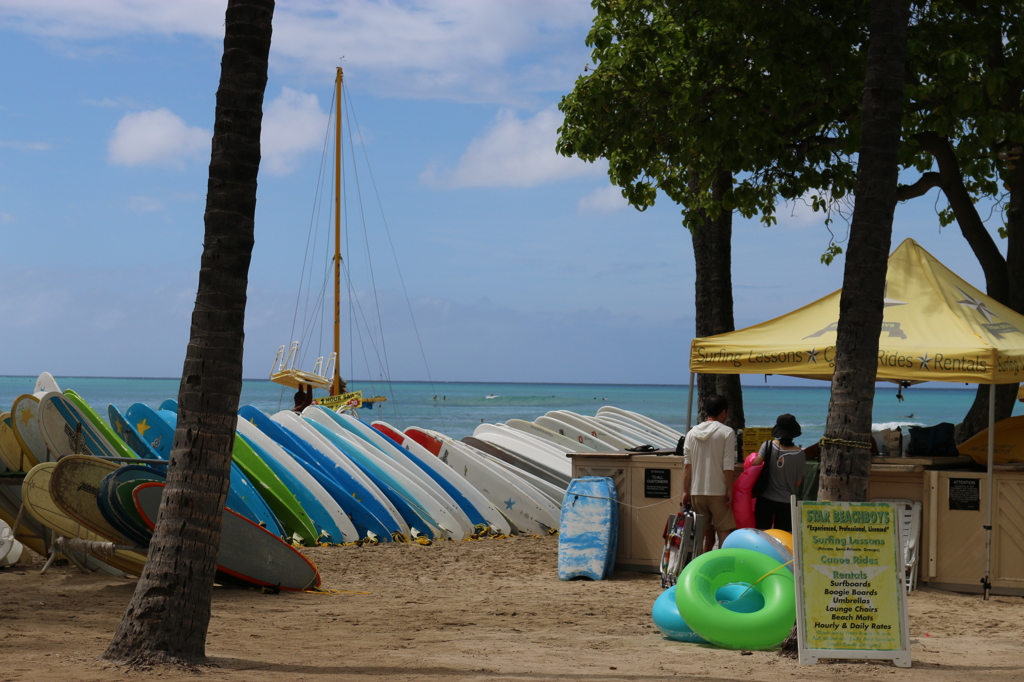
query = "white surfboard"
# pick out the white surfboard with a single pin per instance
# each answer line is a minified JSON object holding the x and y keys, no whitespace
{"x":594,"y":428}
{"x":45,"y":383}
{"x":413,"y":485}
{"x":552,"y":491}
{"x":654,"y":424}
{"x":526,"y":446}
{"x":632,"y":430}
{"x":403,"y":463}
{"x":568,"y":444}
{"x":584,"y":437}
{"x":530,"y":512}
{"x":483,"y":505}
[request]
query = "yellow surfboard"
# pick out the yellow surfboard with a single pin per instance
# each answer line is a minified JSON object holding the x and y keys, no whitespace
{"x":39,"y":503}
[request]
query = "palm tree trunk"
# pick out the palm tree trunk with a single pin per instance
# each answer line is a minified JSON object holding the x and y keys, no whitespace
{"x":169,"y":614}
{"x":712,"y":255}
{"x":845,"y":453}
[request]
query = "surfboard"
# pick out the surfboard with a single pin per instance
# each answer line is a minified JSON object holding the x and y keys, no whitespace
{"x":74,"y":486}
{"x":39,"y":503}
{"x":588,"y":529}
{"x":248,"y":552}
{"x":338,"y":505}
{"x":115,"y":500}
{"x":337,"y":448}
{"x":423,"y":458}
{"x":594,"y":428}
{"x":567,"y":444}
{"x":66,"y":430}
{"x":440,"y":490}
{"x":371,"y":510}
{"x":126,"y":432}
{"x":11,"y":452}
{"x":156,"y":428}
{"x":630,"y":429}
{"x":30,"y":533}
{"x":581,"y":436}
{"x":515,"y":462}
{"x":530,"y":513}
{"x":652,"y":424}
{"x":25,"y":422}
{"x":45,"y":383}
{"x":109,"y":434}
{"x":327,"y":517}
{"x":430,"y":509}
{"x":554,"y":464}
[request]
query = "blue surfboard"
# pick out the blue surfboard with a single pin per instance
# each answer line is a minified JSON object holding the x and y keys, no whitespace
{"x":362,"y":506}
{"x":376,"y":516}
{"x":156,"y":430}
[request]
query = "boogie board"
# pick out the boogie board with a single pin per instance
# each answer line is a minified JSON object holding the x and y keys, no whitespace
{"x":588,"y":530}
{"x":248,"y":552}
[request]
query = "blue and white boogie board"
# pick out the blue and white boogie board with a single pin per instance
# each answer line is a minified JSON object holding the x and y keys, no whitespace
{"x":588,"y":529}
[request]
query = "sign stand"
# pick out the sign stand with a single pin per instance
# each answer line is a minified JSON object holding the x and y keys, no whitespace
{"x":851,"y":600}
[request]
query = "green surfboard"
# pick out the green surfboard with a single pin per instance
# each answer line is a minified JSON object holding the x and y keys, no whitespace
{"x":280,"y":500}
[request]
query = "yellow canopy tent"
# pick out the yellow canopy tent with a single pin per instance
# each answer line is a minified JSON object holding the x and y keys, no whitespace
{"x":936,"y":327}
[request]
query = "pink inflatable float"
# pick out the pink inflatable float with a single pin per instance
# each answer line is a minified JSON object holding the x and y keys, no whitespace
{"x":742,"y":502}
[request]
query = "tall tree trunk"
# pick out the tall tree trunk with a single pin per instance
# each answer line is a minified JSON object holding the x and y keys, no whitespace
{"x":976,"y":419}
{"x":169,"y":614}
{"x":712,"y":255}
{"x":845,"y":453}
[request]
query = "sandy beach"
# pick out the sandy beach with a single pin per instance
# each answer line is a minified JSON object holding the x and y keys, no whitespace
{"x":483,"y":610}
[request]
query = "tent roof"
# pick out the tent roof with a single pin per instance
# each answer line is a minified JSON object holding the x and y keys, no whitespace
{"x":936,"y":327}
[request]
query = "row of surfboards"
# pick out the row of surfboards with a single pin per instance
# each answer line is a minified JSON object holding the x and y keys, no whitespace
{"x":315,"y":478}
{"x":540,"y":447}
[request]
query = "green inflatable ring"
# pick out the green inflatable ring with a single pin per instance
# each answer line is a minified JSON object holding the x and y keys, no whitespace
{"x":764,"y":629}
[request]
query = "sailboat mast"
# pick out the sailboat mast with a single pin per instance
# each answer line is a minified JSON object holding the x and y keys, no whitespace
{"x":336,"y":386}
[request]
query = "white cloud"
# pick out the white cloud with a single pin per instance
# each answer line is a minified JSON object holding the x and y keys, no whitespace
{"x":6,"y":219}
{"x":158,"y":137}
{"x":465,"y":50}
{"x":603,"y":200}
{"x":145,"y":204}
{"x":514,"y":153}
{"x":293,"y":124}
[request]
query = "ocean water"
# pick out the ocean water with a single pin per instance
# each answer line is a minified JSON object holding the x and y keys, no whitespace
{"x":456,"y":408}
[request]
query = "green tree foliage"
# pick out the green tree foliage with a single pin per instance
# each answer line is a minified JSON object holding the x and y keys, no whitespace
{"x":683,"y":90}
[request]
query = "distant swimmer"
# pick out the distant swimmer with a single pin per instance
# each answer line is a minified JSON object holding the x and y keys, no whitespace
{"x":490,"y":397}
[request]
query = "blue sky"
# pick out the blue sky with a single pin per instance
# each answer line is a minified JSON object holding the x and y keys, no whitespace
{"x":515,"y":264}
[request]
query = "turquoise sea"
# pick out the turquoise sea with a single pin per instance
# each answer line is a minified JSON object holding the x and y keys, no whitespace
{"x":456,"y":408}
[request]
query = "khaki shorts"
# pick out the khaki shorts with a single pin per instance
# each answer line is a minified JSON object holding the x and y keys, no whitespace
{"x":716,"y":510}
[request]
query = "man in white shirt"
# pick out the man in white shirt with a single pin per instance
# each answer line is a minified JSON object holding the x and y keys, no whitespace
{"x":709,"y":455}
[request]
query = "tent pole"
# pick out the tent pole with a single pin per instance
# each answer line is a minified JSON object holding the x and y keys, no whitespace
{"x":986,"y":583}
{"x":689,"y":405}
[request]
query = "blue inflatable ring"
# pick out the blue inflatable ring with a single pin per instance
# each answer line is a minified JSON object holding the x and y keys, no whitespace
{"x":763,"y":629}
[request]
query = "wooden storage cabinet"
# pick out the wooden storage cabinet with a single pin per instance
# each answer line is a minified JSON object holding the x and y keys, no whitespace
{"x":641,"y":481}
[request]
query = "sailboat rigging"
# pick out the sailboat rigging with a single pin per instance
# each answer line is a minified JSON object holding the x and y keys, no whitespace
{"x":325,"y":376}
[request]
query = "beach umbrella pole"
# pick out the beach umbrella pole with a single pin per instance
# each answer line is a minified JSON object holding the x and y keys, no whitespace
{"x":985,"y":582}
